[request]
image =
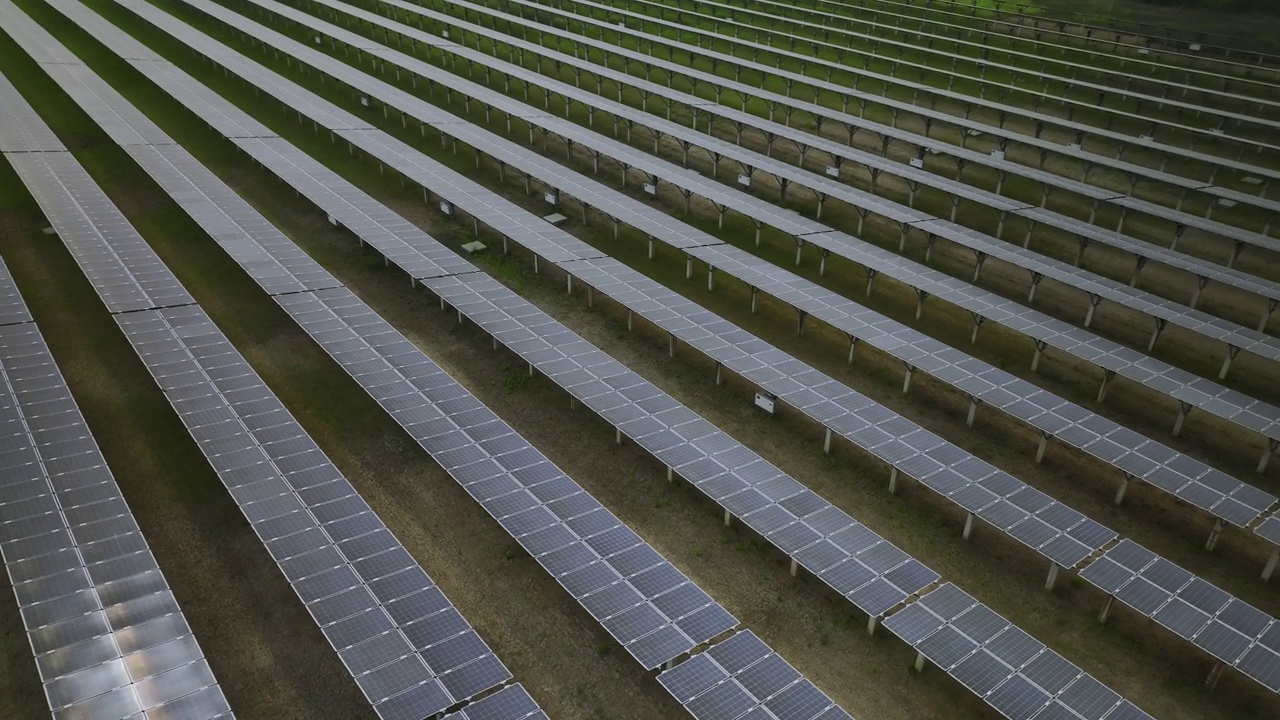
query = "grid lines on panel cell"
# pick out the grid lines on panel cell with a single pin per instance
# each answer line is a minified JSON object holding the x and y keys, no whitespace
{"x":1178,"y":474}
{"x":1229,"y":629}
{"x":791,"y":103}
{"x":846,"y":555}
{"x":958,"y":189}
{"x":340,"y":559}
{"x":1130,"y":452}
{"x":107,"y":633}
{"x":742,"y":677}
{"x":644,"y":602}
{"x":1010,"y":670}
{"x":587,"y":580}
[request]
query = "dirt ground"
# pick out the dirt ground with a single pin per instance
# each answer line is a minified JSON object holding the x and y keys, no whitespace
{"x":272,"y":661}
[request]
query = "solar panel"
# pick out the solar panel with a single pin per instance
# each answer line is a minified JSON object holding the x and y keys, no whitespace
{"x":1193,"y":481}
{"x":1234,"y":632}
{"x":740,"y":677}
{"x":82,"y":574}
{"x":1014,"y":673}
{"x":224,"y":405}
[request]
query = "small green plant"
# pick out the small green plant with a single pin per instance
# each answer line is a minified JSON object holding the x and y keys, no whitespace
{"x":512,"y":379}
{"x":697,"y":552}
{"x":604,"y":649}
{"x":508,"y":554}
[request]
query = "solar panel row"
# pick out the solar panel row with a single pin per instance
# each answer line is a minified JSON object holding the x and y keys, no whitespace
{"x":566,"y":375}
{"x":1246,"y":131}
{"x":1085,"y":230}
{"x":668,"y":617}
{"x":409,"y":169}
{"x":741,"y":677}
{"x":1147,"y":72}
{"x":1147,"y":460}
{"x":1118,"y":36}
{"x":1098,"y":287}
{"x":879,"y":578}
{"x":1136,"y":455}
{"x":409,"y":650}
{"x":1232,"y":631}
{"x":108,"y":636}
{"x":932,"y":54}
{"x":1015,"y":673}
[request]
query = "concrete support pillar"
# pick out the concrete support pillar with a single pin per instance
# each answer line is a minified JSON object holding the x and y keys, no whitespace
{"x":1139,"y":263}
{"x":826,"y":443}
{"x":921,"y":296}
{"x":794,"y":566}
{"x":906,"y":379}
{"x":1035,"y":283}
{"x":1267,"y":452}
{"x":1214,"y":535}
{"x":893,"y":481}
{"x":1214,"y":675}
{"x":968,"y":526}
{"x":1201,"y":282}
{"x":1094,"y":299}
{"x":977,"y":323}
{"x":873,"y":622}
{"x":1232,"y":352}
{"x":1044,"y":445}
{"x":671,"y":345}
{"x":973,"y":411}
{"x":1035,"y":359}
{"x":1183,"y":409}
{"x":1271,"y":564}
{"x":1053,"y":576}
{"x":728,"y":518}
{"x":1107,"y":376}
{"x":755,"y":294}
{"x":1106,"y":609}
{"x":1124,"y":487}
{"x":920,"y":661}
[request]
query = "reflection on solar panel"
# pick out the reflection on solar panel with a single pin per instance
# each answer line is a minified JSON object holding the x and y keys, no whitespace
{"x":324,"y":307}
{"x":646,"y":604}
{"x":1012,"y":671}
{"x":1236,"y":633}
{"x":108,"y":636}
{"x":741,"y":677}
{"x":408,"y":649}
{"x":1229,"y":499}
{"x":667,"y":616}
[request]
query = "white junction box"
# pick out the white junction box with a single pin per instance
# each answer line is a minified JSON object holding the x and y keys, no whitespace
{"x":552,"y":198}
{"x":651,"y":188}
{"x":766,"y":402}
{"x":446,"y":207}
{"x":744,"y":180}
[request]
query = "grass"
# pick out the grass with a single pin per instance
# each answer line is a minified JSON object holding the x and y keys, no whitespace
{"x":675,"y":272}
